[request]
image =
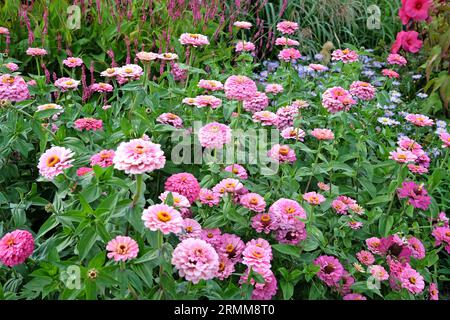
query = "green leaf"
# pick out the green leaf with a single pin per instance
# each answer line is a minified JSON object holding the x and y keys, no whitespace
{"x":86,"y":242}
{"x":287,"y":249}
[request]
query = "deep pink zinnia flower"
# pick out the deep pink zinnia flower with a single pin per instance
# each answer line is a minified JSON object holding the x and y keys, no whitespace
{"x":417,"y":195}
{"x":103,"y":159}
{"x":331,"y":270}
{"x":417,"y":10}
{"x":184,"y":183}
{"x":88,"y":124}
{"x":239,"y":88}
{"x":16,"y":247}
{"x":265,"y":222}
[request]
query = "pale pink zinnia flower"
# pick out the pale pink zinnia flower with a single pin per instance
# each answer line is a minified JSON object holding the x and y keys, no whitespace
{"x":289,"y":55}
{"x":395,"y":58}
{"x":322,"y":134}
{"x":346,"y":55}
{"x":195,"y":260}
{"x":11,"y":66}
{"x":164,"y":218}
{"x":412,"y":281}
{"x":146,"y":56}
{"x":212,"y":85}
{"x":245,"y":46}
{"x":194,"y":39}
{"x":337,"y":99}
{"x":433,"y":291}
{"x":53,"y":161}
{"x":323,"y":186}
{"x":273,"y":88}
{"x":293,"y":133}
{"x":168,"y":56}
{"x":72,"y":62}
{"x":256,"y":257}
{"x":267,"y":118}
{"x":103,"y":159}
{"x":122,"y":248}
{"x":445,"y":138}
{"x":36,"y":52}
{"x":238,"y":170}
{"x":101,"y":87}
{"x":313,"y":198}
{"x":378,"y":272}
{"x":209,"y":197}
{"x":170,"y":119}
{"x":355,"y":225}
{"x":207,"y":101}
{"x":228,"y":185}
{"x":51,"y":106}
{"x":287,"y":210}
{"x":253,"y":201}
{"x":242,"y":24}
{"x":365,"y":257}
{"x":256,"y":103}
{"x":287,"y":27}
{"x":65,"y":84}
{"x":130,"y":71}
{"x":419,"y":120}
{"x":139,"y":156}
{"x":179,"y":201}
{"x":16,"y":247}
{"x":282,"y":154}
{"x":239,"y":88}
{"x":214,"y":135}
{"x":191,"y":229}
{"x":374,"y":245}
{"x":284,"y":41}
{"x":13,"y":88}
{"x":402,"y":156}
{"x":317,"y":67}
{"x":362,"y":90}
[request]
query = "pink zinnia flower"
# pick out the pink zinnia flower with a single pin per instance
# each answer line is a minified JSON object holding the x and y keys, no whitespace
{"x":289,"y":55}
{"x":287,"y":27}
{"x":36,"y":52}
{"x":402,"y":156}
{"x":164,"y":218}
{"x":317,"y":67}
{"x":395,"y":58}
{"x":390,"y":73}
{"x":184,"y":183}
{"x":262,"y":291}
{"x":146,"y":56}
{"x":191,"y":229}
{"x":4,"y":31}
{"x":16,"y":247}
{"x":283,"y":41}
{"x":226,"y":267}
{"x":214,"y":135}
{"x":195,"y":260}
{"x":337,"y":99}
{"x":265,"y":222}
{"x":417,"y":195}
{"x":256,"y":257}
{"x":287,"y":210}
{"x":354,"y":296}
{"x":139,"y":156}
{"x":286,"y":116}
{"x":11,"y":66}
{"x":258,"y":102}
{"x":88,"y":124}
{"x":110,"y":72}
{"x":103,"y":159}
{"x":331,"y":270}
{"x":83,"y":171}
{"x":72,"y":62}
{"x":374,"y":245}
{"x":170,"y":119}
{"x":378,"y":272}
{"x":212,"y":236}
{"x":102,"y":87}
{"x":209,"y":197}
{"x":322,"y":134}
{"x":273,"y":88}
{"x":168,"y":56}
{"x":445,"y":138}
{"x":231,"y":245}
{"x":323,"y":186}
{"x":13,"y":88}
{"x":179,"y":201}
{"x":242,"y":24}
{"x":228,"y":185}
{"x":130,"y":71}
{"x":362,"y":90}
{"x":266,"y":118}
{"x":282,"y":154}
{"x":53,"y":161}
{"x":292,"y":232}
{"x":365,"y":257}
{"x":122,"y":248}
{"x":244,"y":46}
{"x":433,"y":291}
{"x":239,"y":88}
{"x":293,"y":133}
{"x":238,"y":170}
{"x":253,"y":201}
{"x":412,"y":281}
{"x":417,"y":248}
{"x":313,"y":198}
{"x":346,"y":55}
{"x":194,"y":39}
{"x":207,"y":101}
{"x":419,"y":120}
{"x":211,"y":85}
{"x":65,"y":84}
{"x":355,"y":225}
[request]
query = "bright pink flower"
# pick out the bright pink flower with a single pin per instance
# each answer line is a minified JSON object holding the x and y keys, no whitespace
{"x":354,"y":296}
{"x":395,"y":58}
{"x":339,"y":206}
{"x":211,"y":85}
{"x":273,"y":88}
{"x":390,"y":73}
{"x":322,"y":134}
{"x":282,"y":154}
{"x":194,"y":39}
{"x":258,"y":102}
{"x":209,"y":197}
{"x":36,"y":52}
{"x":239,"y":88}
{"x":346,"y":55}
{"x":362,"y":90}
{"x":261,"y":291}
{"x":265,"y":222}
{"x":445,"y":138}
{"x":214,"y":135}
{"x":184,"y":183}
{"x":331,"y":270}
{"x":53,"y":162}
{"x":267,"y":118}
{"x":179,"y":73}
{"x":289,"y":55}
{"x":164,"y":218}
{"x":195,"y":260}
{"x":88,"y":124}
{"x":191,"y":229}
{"x":433,"y":291}
{"x":417,"y":248}
{"x":417,"y":195}
{"x":83,"y":171}
{"x":365,"y":257}
{"x":231,"y":246}
{"x":374,"y":245}
{"x":402,"y":156}
{"x":122,"y":248}
{"x":411,"y":145}
{"x":412,"y":281}
{"x":13,"y":88}
{"x":378,"y":272}
{"x":291,"y":232}
{"x":337,"y":99}
{"x":414,"y":9}
{"x":11,"y":66}
{"x":408,"y":40}
{"x":238,"y":170}
{"x":419,"y":120}
{"x":287,"y":27}
{"x":16,"y":247}
{"x":72,"y":62}
{"x":170,"y":119}
{"x":103,"y":159}
{"x":253,"y":201}
{"x":287,"y":210}
{"x":139,"y":156}
{"x":417,"y":168}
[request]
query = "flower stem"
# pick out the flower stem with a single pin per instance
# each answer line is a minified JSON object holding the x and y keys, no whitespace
{"x":314,"y":166}
{"x":138,"y":192}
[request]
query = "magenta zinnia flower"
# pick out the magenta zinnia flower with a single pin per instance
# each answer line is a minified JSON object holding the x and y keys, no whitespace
{"x":184,"y":183}
{"x":331,"y":270}
{"x":265,"y":222}
{"x":417,"y":195}
{"x":16,"y":247}
{"x":88,"y":124}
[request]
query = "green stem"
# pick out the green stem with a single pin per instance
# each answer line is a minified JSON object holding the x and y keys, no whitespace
{"x":314,"y":166}
{"x":393,"y":192}
{"x":138,"y":192}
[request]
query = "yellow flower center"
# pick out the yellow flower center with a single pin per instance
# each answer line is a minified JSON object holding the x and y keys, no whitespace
{"x":163,"y":216}
{"x":139,"y":149}
{"x":254,"y":201}
{"x":122,"y":249}
{"x":188,"y":229}
{"x":284,"y":151}
{"x":229,"y":248}
{"x":52,"y":161}
{"x":412,"y":280}
{"x":265,"y":218}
